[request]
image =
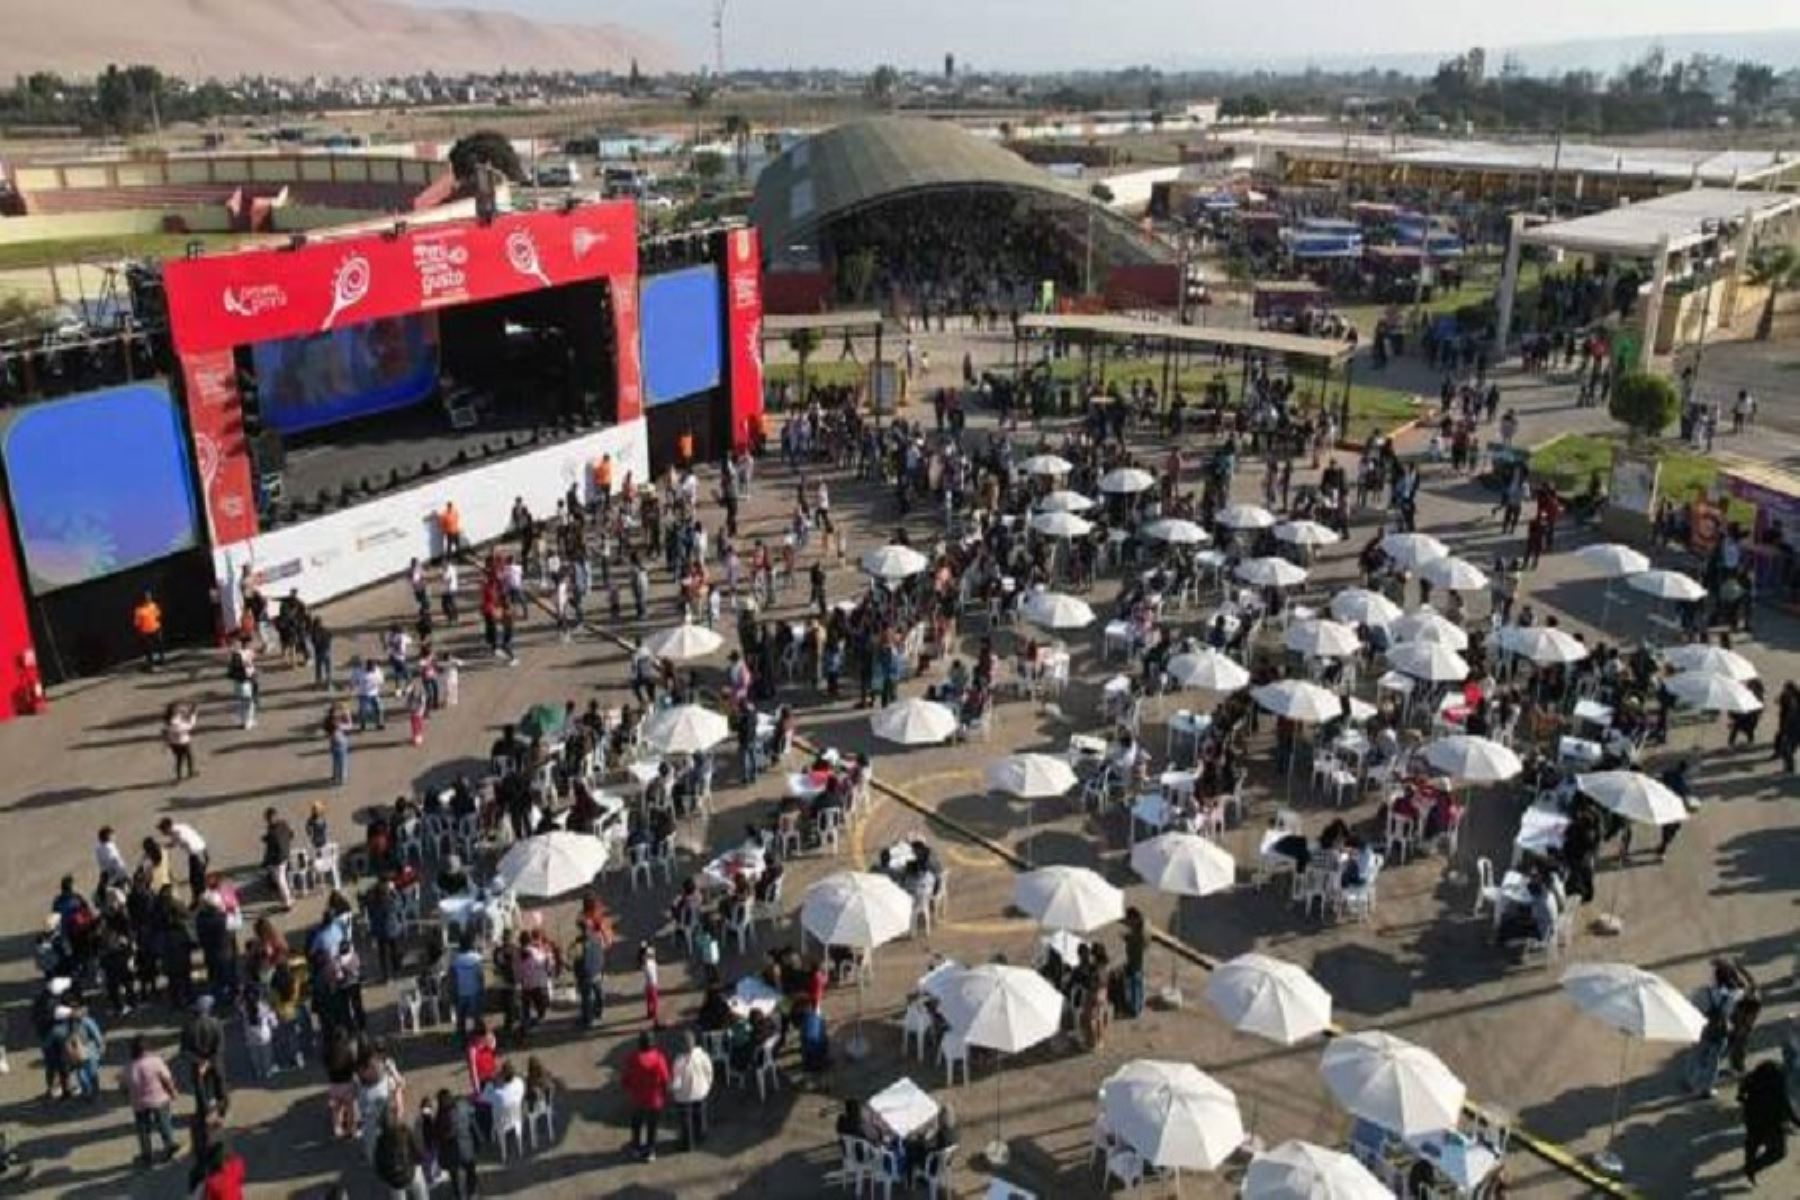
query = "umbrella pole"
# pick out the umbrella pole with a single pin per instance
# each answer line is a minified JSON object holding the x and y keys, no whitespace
{"x":997,"y":1153}
{"x":1605,"y":1158}
{"x":857,"y":1048}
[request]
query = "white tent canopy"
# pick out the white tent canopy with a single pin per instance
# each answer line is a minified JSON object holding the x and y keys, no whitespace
{"x":1173,"y":1114}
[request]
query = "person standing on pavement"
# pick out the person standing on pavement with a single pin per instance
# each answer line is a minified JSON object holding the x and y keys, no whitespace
{"x":1136,"y":943}
{"x":319,"y":634}
{"x":151,"y":1088}
{"x":179,"y":720}
{"x":1787,"y":726}
{"x":187,"y":838}
{"x":203,"y":1045}
{"x":646,"y":1082}
{"x":399,"y":1163}
{"x":1768,"y":1111}
{"x":147,"y":621}
{"x":588,"y":955}
{"x":278,"y":841}
{"x":691,"y":1082}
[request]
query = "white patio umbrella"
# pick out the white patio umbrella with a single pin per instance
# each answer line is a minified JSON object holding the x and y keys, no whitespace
{"x":1001,"y":1008}
{"x":1402,"y":1087}
{"x":861,"y":910}
{"x":1713,"y":660}
{"x":684,"y":643}
{"x":1075,"y":899}
{"x":1542,"y":644}
{"x":1426,"y":624}
{"x":1123,"y":481}
{"x":1454,"y":574}
{"x":1064,"y":500}
{"x":1061,"y":525}
{"x":1634,"y":796}
{"x":1298,"y":1170}
{"x":1410,"y":551}
{"x":1666,"y":585}
{"x":1270,"y":572}
{"x":1270,"y":998}
{"x":1208,"y":670}
{"x":1299,"y":700}
{"x":1047,"y":464}
{"x":1182,"y":864}
{"x":551,"y":864}
{"x":1639,"y":1005}
{"x":1173,"y":1114}
{"x":1306,"y":533}
{"x":1175,"y":531}
{"x":1467,"y":759}
{"x":1056,"y":610}
{"x":1612,"y":560}
{"x":1433,"y":662}
{"x":1031,"y":776}
{"x":1319,"y":638}
{"x":1711,"y":693}
{"x":893,"y":562}
{"x":1360,"y":606}
{"x":686,"y":729}
{"x":1245,"y":516}
{"x":914,"y":722}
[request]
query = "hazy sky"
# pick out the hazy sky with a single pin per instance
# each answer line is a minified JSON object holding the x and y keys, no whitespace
{"x":1061,"y":33}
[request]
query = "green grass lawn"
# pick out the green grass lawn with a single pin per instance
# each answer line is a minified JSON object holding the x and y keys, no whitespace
{"x":26,"y":255}
{"x":1570,"y":461}
{"x":831,"y":373}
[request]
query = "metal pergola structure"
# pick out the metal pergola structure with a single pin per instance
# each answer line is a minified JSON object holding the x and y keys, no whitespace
{"x":849,"y":324}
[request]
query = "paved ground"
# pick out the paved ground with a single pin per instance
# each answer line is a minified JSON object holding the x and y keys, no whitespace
{"x":1421,"y":968}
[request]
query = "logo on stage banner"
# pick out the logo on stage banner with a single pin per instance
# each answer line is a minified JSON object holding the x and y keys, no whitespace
{"x":442,"y":264}
{"x":584,"y":240}
{"x":522,"y":254}
{"x":349,"y":285}
{"x":252,"y":300}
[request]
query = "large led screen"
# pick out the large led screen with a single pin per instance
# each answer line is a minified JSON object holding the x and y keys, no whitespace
{"x":306,"y":383}
{"x":99,"y":483}
{"x":683,"y":345}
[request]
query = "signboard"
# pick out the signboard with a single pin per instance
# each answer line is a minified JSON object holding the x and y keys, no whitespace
{"x":885,"y":387}
{"x":1634,"y":482}
{"x":221,"y":451}
{"x":743,"y":331}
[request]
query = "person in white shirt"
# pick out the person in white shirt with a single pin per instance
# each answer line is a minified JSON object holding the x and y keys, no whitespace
{"x":188,"y":839}
{"x":109,"y":860}
{"x":690,"y":1083}
{"x":368,"y":685}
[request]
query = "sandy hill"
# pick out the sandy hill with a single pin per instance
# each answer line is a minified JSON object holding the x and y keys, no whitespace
{"x":294,"y":38}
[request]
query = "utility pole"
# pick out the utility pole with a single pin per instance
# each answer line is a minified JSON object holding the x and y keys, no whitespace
{"x":718,"y":24}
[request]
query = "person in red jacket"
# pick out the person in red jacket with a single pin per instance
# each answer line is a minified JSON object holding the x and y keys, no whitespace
{"x":221,"y":1173}
{"x":646,"y":1083}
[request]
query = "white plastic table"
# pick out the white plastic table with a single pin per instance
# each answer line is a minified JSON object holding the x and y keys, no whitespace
{"x":903,"y":1108}
{"x":752,"y":995}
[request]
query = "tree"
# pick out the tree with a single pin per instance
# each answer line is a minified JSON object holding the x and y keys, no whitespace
{"x":737,"y":128}
{"x":1751,"y":85}
{"x":485,"y":148}
{"x":708,"y":165}
{"x":883,"y":84}
{"x":1774,"y":268}
{"x":859,"y":273}
{"x":634,"y":83}
{"x":1644,"y":403}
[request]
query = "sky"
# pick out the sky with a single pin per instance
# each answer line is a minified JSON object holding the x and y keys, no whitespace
{"x":1053,"y":34}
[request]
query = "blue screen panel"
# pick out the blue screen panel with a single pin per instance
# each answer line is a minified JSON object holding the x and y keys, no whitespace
{"x":683,"y":343}
{"x":99,"y":483}
{"x":306,"y":383}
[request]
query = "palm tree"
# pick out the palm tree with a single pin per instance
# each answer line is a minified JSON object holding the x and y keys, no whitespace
{"x":1774,"y":268}
{"x":737,"y":128}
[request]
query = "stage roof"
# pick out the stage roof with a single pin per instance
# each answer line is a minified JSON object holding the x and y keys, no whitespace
{"x":1637,"y":229}
{"x":854,"y":164}
{"x":1315,"y":348}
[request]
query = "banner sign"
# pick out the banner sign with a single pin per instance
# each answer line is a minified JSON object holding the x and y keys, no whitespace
{"x":221,"y":451}
{"x":743,"y":331}
{"x":218,"y":302}
{"x":630,"y":369}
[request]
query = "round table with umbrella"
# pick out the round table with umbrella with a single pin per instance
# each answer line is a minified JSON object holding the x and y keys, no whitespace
{"x":1056,"y":610}
{"x":1610,"y":561}
{"x":1360,"y":606}
{"x":1298,"y":1170}
{"x":1063,"y":500}
{"x":1426,"y":624}
{"x":1639,"y":1005}
{"x":1245,"y":517}
{"x":1636,"y":797}
{"x":1709,"y":692}
{"x":1402,"y":1087}
{"x":1031,"y":777}
{"x":1432,"y":662}
{"x":1309,"y":534}
{"x":1175,"y":531}
{"x":893,"y":562}
{"x":1061,"y":524}
{"x":683,"y":643}
{"x":1322,"y":638}
{"x":1302,"y":702}
{"x":1454,"y":574}
{"x":1543,"y":645}
{"x":1182,"y":864}
{"x":542,"y":721}
{"x":1073,"y":899}
{"x":1173,"y":1115}
{"x":1126,"y":481}
{"x":551,"y":864}
{"x":1208,"y":670}
{"x":1001,"y":1008}
{"x":1410,"y":551}
{"x":914,"y":722}
{"x":1273,"y":999}
{"x":685,"y":729}
{"x":1711,"y":660}
{"x":1270,"y":572}
{"x":860,"y":910}
{"x":1471,"y":760}
{"x":1667,"y":585}
{"x":1047,"y":464}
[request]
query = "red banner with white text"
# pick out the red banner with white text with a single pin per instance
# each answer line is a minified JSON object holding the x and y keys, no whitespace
{"x":743,"y":331}
{"x":221,"y":450}
{"x":625,"y":339}
{"x":217,"y":302}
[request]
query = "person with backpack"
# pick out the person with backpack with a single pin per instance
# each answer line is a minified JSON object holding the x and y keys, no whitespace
{"x":1717,"y":1004}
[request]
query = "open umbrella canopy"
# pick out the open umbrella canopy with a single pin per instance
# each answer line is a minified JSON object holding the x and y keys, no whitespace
{"x":1611,"y":560}
{"x":1046,"y":464}
{"x":1272,"y":999}
{"x":684,"y":643}
{"x":1633,"y":1001}
{"x":542,"y":720}
{"x":1061,"y":525}
{"x":1000,"y":1007}
{"x":1433,"y":662}
{"x":1175,"y":531}
{"x":1173,"y":1114}
{"x":1403,"y":1088}
{"x":856,"y":909}
{"x":1410,"y":551}
{"x":1123,"y":481}
{"x":686,"y":729}
{"x":1184,"y":864}
{"x":551,"y":864}
{"x":1542,"y":644}
{"x":1454,"y":574}
{"x":1710,"y":659}
{"x":1634,"y":796}
{"x":1360,"y":606}
{"x":1064,"y":500}
{"x":1711,"y":693}
{"x":1306,"y":533}
{"x":914,"y":723}
{"x":893,"y":562}
{"x":1031,"y":776}
{"x":1073,"y":898}
{"x":1666,"y":585}
{"x":1299,"y":700}
{"x":1271,"y":572}
{"x":1467,"y":759}
{"x":1245,"y":516}
{"x":1426,"y":624}
{"x":1302,"y":1171}
{"x":1208,"y":670}
{"x":1319,"y":638}
{"x":1057,"y":610}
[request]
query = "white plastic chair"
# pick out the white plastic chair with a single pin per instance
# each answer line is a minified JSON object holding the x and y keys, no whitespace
{"x":1126,"y":1166}
{"x":936,"y":1172}
{"x":916,"y":1028}
{"x":1401,"y":832}
{"x":541,"y":1115}
{"x":509,"y":1123}
{"x":303,"y":876}
{"x":327,"y":865}
{"x":1487,"y":893}
{"x":741,"y":928}
{"x":768,"y":1076}
{"x":407,"y":1005}
{"x":639,"y":858}
{"x":953,"y":1050}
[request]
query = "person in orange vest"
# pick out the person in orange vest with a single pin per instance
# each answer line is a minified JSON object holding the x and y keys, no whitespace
{"x":146,"y":619}
{"x":450,"y":525}
{"x":603,"y":479}
{"x":684,"y":449}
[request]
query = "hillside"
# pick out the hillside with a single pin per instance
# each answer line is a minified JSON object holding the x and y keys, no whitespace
{"x":296,"y":38}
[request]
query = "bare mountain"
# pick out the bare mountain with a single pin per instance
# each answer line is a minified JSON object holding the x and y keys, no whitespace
{"x":297,"y":38}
